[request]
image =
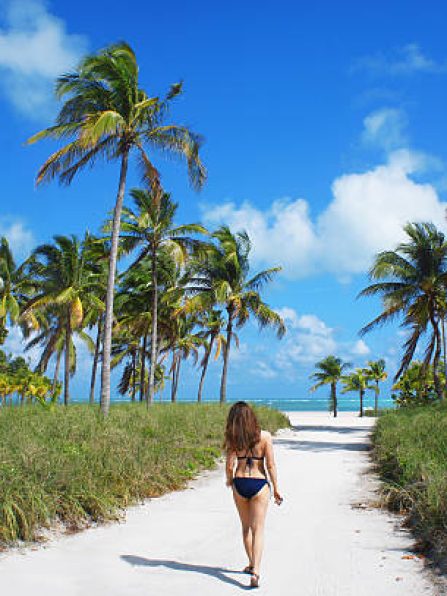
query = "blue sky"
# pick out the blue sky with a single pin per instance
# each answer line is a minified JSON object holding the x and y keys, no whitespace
{"x":325,"y":132}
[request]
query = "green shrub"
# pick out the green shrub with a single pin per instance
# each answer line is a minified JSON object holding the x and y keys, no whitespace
{"x":410,"y":447}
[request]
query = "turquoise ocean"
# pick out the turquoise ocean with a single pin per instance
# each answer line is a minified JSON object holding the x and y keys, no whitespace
{"x":312,"y":403}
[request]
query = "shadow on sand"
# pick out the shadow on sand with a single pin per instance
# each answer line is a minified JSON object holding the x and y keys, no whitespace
{"x":217,"y":572}
{"x":332,"y":429}
{"x":318,"y":446}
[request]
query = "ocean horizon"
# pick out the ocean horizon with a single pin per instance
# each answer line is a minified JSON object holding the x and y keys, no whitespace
{"x":289,"y":404}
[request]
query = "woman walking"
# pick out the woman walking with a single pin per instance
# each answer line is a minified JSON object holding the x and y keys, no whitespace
{"x":248,"y":447}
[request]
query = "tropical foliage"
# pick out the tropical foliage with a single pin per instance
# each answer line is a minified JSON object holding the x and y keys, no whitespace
{"x":106,"y":114}
{"x":416,"y":386}
{"x":19,"y":384}
{"x":411,"y":282}
{"x":358,"y":381}
{"x":329,"y":371}
{"x":170,"y":305}
{"x":221,"y":277}
{"x":377,"y":373}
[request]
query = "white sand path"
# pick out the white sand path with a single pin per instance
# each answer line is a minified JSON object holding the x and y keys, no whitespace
{"x":188,"y":543}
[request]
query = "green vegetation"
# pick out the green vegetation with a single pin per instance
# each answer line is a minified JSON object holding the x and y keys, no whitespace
{"x":410,"y":447}
{"x":329,"y":372}
{"x":358,"y":380}
{"x":412,"y":283}
{"x":71,"y":464}
{"x":106,"y":114}
{"x":17,"y":379}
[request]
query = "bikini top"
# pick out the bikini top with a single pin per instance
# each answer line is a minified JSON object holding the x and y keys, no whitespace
{"x":250,"y":459}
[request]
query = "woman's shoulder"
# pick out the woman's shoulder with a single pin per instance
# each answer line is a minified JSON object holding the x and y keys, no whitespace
{"x":265,"y":436}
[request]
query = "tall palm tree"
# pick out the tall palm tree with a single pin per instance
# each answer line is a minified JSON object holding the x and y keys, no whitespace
{"x":151,"y":228}
{"x":329,"y":372}
{"x":377,"y":373}
{"x":107,"y":115}
{"x":411,"y":282}
{"x":357,"y":381}
{"x":224,"y":274}
{"x":66,"y":287}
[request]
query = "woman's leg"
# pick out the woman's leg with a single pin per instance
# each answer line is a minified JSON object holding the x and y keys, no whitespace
{"x":258,"y":510}
{"x":243,"y":507}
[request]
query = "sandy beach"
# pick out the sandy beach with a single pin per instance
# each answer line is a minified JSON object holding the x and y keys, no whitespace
{"x":322,"y":541}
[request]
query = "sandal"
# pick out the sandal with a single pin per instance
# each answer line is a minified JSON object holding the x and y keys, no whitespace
{"x":254,"y":582}
{"x":248,"y":569}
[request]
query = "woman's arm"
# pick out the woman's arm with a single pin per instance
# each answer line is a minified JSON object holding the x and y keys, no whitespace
{"x":271,"y":467}
{"x":229,"y":467}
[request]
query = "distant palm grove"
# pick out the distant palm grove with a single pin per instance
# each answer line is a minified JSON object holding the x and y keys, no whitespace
{"x":186,"y":290}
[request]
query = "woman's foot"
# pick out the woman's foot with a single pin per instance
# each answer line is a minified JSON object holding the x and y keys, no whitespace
{"x":254,"y":582}
{"x":248,"y":569}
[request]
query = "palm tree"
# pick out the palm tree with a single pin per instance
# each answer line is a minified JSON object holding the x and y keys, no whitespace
{"x":133,"y":320}
{"x":223,"y":274}
{"x":184,"y":343}
{"x":107,"y":115}
{"x":14,"y":286}
{"x":329,"y":372}
{"x":212,"y":324}
{"x":357,"y":381}
{"x":376,"y":372}
{"x":412,"y":281}
{"x":151,"y":226}
{"x":67,"y":288}
{"x":97,"y":253}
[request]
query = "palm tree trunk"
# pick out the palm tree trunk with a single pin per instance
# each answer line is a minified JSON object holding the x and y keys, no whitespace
{"x":56,"y":371}
{"x":334,"y":398}
{"x":376,"y":399}
{"x":154,"y":325}
{"x":361,"y":402}
{"x":174,"y":364}
{"x":107,"y":344}
{"x":134,"y":374}
{"x":67,"y":361}
{"x":444,"y":354}
{"x":177,"y":376}
{"x":95,"y":361}
{"x":143,"y":367}
{"x":204,"y":369}
{"x":226,"y":355}
{"x":437,"y":356}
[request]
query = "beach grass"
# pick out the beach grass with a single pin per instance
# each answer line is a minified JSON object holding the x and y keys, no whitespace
{"x":70,"y":465}
{"x":410,"y":447}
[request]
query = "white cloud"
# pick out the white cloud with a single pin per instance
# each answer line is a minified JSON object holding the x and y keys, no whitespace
{"x":366,"y":215}
{"x":285,"y":230}
{"x":264,"y":370}
{"x":308,"y":339}
{"x":369,"y":210}
{"x":405,"y":60}
{"x":15,"y":344}
{"x":34,"y":49}
{"x":360,"y":348}
{"x":386,"y":128}
{"x":21,"y":240}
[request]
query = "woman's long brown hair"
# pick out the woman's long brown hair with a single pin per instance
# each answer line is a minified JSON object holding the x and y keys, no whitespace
{"x":243,"y":430}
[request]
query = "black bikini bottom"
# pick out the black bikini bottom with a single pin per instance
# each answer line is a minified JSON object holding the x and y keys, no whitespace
{"x":248,"y":487}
